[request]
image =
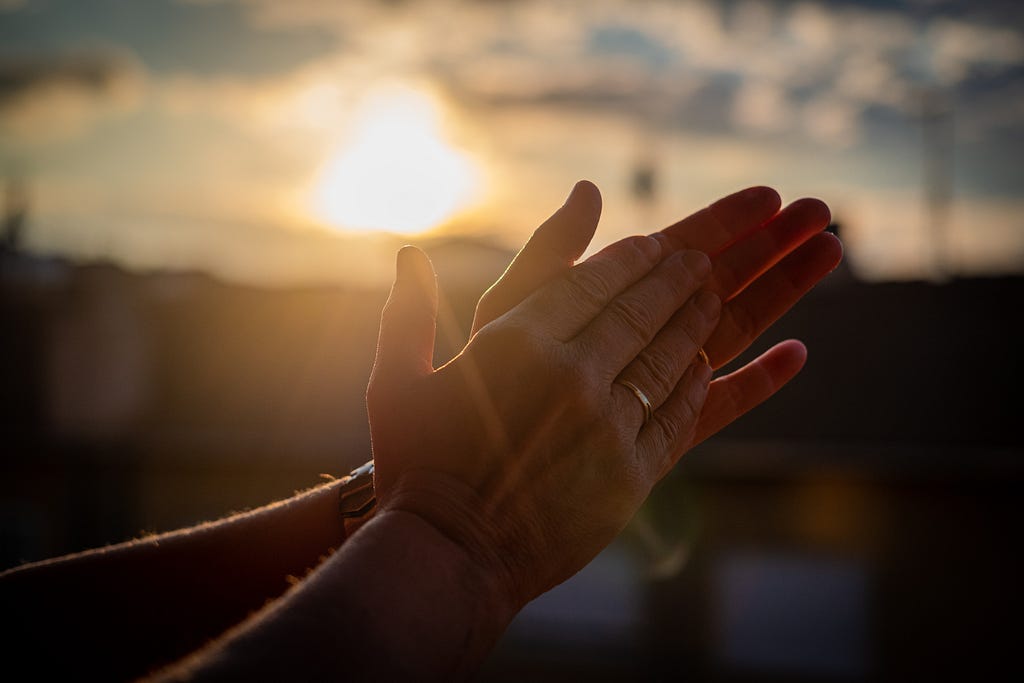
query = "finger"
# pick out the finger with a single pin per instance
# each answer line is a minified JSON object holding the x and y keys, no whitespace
{"x":631,"y":320}
{"x":772,"y":294}
{"x":569,"y":303}
{"x":551,"y":251}
{"x":715,"y":227}
{"x":672,"y":429}
{"x":405,"y":346}
{"x":659,"y":367}
{"x":736,"y":393}
{"x":756,"y":252}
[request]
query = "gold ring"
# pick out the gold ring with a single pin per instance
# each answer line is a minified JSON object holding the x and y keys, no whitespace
{"x":644,"y":401}
{"x":702,"y":354}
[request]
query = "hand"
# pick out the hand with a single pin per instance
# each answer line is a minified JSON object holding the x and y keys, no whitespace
{"x":763,"y":261}
{"x":524,"y":449}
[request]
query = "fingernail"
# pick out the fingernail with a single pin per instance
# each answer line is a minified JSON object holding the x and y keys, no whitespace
{"x":650,"y":246}
{"x":697,"y":263}
{"x":664,"y":241}
{"x":760,"y":194}
{"x":571,"y":193}
{"x":708,"y":304}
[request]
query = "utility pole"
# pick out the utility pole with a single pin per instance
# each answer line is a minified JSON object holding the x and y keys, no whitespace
{"x":937,"y":128}
{"x":15,"y":214}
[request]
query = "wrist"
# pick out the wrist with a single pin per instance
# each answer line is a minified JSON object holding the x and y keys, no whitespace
{"x":452,"y":602}
{"x":455,"y":511}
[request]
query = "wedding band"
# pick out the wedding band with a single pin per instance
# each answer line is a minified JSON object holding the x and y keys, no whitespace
{"x":702,"y":354}
{"x":644,"y":401}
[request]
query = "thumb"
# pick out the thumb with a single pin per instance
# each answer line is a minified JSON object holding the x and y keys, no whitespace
{"x":405,"y":346}
{"x":552,"y":249}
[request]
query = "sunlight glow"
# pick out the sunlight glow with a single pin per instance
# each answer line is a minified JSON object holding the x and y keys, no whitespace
{"x":395,"y":171}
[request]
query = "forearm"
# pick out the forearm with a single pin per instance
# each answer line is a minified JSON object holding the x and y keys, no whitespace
{"x":136,"y":605}
{"x":400,"y":601}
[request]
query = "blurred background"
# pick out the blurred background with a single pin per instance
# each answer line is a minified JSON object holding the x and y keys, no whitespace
{"x":201,"y":202}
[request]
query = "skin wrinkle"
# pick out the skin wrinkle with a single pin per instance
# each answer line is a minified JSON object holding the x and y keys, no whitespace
{"x":675,"y":437}
{"x":665,"y":347}
{"x":603,"y":332}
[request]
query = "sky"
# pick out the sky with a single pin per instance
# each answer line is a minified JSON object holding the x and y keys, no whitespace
{"x":281,"y":142}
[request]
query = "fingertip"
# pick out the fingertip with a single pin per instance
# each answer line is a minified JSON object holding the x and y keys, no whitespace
{"x":409,"y":255}
{"x":567,"y":233}
{"x":406,"y":253}
{"x":413,"y":265}
{"x":827,"y":250}
{"x":586,"y":191}
{"x":792,"y":353}
{"x":798,"y":347}
{"x":739,"y":213}
{"x":651,"y":247}
{"x":663,"y":240}
{"x":584,"y":201}
{"x":815,"y":210}
{"x":836,"y":246}
{"x":697,"y":262}
{"x":766,"y":199}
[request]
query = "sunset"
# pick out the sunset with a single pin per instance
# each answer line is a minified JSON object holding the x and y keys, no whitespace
{"x":393,"y":170}
{"x":511,"y":340}
{"x":273,"y":121}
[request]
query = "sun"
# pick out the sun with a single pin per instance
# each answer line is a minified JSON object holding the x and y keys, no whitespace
{"x":395,"y":171}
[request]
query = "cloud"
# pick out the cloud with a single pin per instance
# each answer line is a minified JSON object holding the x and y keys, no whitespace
{"x":785,"y":69}
{"x":762,"y":107}
{"x":957,"y":48}
{"x":55,"y":97}
{"x":719,"y":95}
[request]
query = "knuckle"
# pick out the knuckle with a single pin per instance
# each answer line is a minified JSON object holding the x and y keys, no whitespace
{"x":587,"y":285}
{"x":692,"y":407}
{"x":659,"y":369}
{"x":634,"y":316}
{"x":671,"y":427}
{"x":679,"y":422}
